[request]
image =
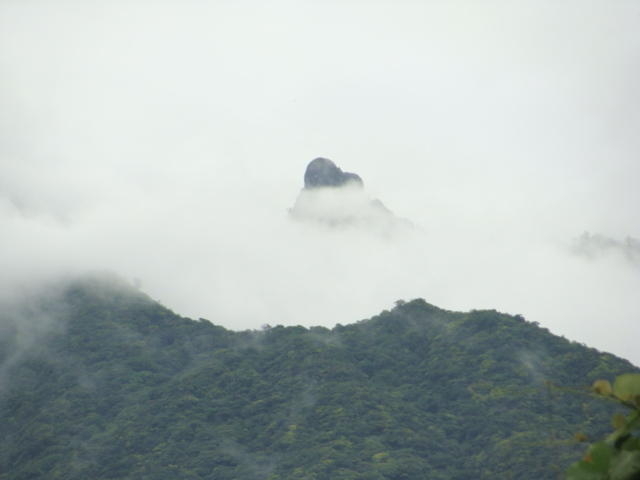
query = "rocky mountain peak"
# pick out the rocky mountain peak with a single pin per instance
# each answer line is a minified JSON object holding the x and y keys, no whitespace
{"x":337,"y":199}
{"x":322,"y":172}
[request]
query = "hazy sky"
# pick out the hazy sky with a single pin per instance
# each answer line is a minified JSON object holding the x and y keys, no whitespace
{"x":166,"y":140}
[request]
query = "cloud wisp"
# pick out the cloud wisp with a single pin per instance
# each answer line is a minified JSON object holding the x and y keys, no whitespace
{"x":593,"y":246}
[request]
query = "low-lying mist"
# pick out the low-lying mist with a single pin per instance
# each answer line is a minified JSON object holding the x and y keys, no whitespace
{"x":168,"y":145}
{"x":258,"y":266}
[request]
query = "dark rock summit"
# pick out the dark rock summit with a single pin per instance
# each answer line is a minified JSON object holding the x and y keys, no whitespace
{"x":337,"y":199}
{"x":322,"y":172}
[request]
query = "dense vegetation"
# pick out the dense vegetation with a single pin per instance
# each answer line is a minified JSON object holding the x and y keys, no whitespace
{"x":617,"y":457}
{"x":98,"y":381}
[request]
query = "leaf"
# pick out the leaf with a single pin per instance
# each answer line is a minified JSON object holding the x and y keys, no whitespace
{"x":599,"y":455}
{"x":626,"y":387}
{"x":626,"y":466}
{"x":594,"y":465}
{"x":602,"y":387}
{"x":584,"y":471}
{"x":631,"y":444}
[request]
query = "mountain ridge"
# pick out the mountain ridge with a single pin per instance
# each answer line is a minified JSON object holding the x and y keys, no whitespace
{"x":125,"y":388}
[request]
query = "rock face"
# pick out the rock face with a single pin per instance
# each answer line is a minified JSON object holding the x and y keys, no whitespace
{"x":337,"y":199}
{"x":322,"y":172}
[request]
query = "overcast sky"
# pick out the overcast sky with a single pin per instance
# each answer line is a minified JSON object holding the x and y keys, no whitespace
{"x":166,"y":141}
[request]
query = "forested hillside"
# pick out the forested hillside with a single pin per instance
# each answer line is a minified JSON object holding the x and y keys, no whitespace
{"x":98,"y":381}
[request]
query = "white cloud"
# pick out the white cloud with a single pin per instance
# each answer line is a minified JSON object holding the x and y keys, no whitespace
{"x":167,"y":140}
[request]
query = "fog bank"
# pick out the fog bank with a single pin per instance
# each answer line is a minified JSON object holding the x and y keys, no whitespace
{"x":167,"y":142}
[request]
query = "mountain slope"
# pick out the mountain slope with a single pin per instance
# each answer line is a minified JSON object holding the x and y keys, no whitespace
{"x":99,"y":381}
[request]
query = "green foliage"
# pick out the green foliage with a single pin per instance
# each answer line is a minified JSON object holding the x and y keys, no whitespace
{"x":618,"y":456}
{"x":115,"y":387}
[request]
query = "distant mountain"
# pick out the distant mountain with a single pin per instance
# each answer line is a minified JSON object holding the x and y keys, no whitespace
{"x":322,"y":172}
{"x":98,"y":381}
{"x":337,"y":199}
